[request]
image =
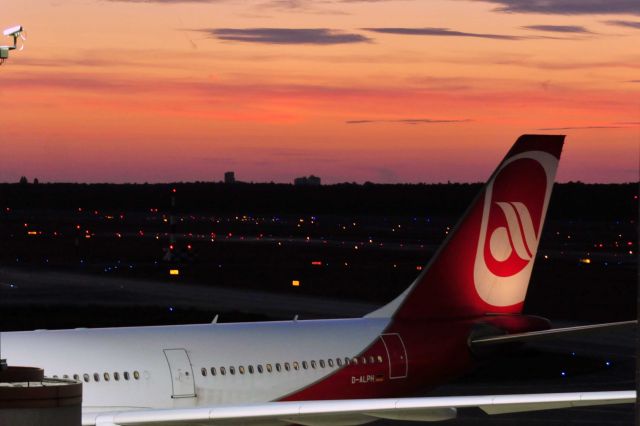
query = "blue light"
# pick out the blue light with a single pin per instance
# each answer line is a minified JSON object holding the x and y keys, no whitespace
{"x":608,"y":363}
{"x":563,"y":373}
{"x":170,"y":308}
{"x":573,"y":354}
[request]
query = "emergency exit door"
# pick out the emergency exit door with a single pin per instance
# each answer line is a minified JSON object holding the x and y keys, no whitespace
{"x":182,"y":381}
{"x":397,"y":355}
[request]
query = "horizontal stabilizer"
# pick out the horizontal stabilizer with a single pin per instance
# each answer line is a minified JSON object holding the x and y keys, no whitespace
{"x":552,"y":333}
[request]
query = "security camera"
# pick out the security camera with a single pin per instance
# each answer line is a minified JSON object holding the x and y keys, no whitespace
{"x":13,"y":31}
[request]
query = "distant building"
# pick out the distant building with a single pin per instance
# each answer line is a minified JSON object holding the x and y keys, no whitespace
{"x":307,"y":181}
{"x":313,"y":180}
{"x":229,"y":177}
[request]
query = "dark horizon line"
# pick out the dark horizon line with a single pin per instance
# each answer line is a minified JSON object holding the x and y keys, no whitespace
{"x":241,"y":183}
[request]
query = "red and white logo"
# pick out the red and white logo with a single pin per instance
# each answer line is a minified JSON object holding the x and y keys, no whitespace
{"x":515,"y":204}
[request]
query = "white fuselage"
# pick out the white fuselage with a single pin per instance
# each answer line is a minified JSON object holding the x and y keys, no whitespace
{"x":193,"y":365}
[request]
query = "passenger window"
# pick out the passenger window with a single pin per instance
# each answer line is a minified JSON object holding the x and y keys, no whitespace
{"x":379,"y":359}
{"x":296,"y":366}
{"x":330,"y":362}
{"x":203,"y":371}
{"x":116,"y":376}
{"x":76,"y":377}
{"x":354,"y":360}
{"x":65,"y":376}
{"x":213,"y":371}
{"x":305,"y":365}
{"x":347,"y":361}
{"x":364,"y":360}
{"x":260,"y":368}
{"x":136,"y":375}
{"x":339,"y":362}
{"x":86,"y":377}
{"x":278,"y":367}
{"x":126,"y":375}
{"x":55,"y":376}
{"x":313,"y":364}
{"x":371,"y":360}
{"x":106,"y":377}
{"x":269,"y":368}
{"x":287,"y":366}
{"x":322,"y":363}
{"x":232,"y":370}
{"x":250,"y":369}
{"x":223,"y":371}
{"x":241,"y":369}
{"x":96,"y":377}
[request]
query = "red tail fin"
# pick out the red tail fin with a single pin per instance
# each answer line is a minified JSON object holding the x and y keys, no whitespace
{"x":485,"y":264}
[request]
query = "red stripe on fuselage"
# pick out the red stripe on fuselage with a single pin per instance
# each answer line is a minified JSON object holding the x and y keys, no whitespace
{"x":436,"y":353}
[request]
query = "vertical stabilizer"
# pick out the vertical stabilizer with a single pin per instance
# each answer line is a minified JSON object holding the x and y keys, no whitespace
{"x":485,"y":264}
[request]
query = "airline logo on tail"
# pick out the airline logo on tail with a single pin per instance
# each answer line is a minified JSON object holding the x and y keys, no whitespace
{"x":514,"y":207}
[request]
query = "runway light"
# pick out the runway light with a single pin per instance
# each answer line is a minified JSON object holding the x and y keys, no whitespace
{"x":418,"y":268}
{"x":563,"y":373}
{"x":174,"y":271}
{"x":608,"y":363}
{"x":585,"y":260}
{"x":316,"y":263}
{"x":295,"y":283}
{"x":32,"y":232}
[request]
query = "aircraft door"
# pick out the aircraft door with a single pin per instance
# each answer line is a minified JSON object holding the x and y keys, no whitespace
{"x":397,"y":355}
{"x":182,"y":379}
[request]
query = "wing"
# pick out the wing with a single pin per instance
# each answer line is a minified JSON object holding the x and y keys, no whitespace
{"x":552,"y":333}
{"x":357,"y":411}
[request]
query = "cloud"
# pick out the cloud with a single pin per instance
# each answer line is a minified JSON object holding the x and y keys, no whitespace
{"x":627,"y":24}
{"x":521,"y":61}
{"x":318,"y":36}
{"x":408,"y":121}
{"x":576,"y":29}
{"x":568,"y":7}
{"x":165,"y":1}
{"x":432,"y":31}
{"x":300,"y":6}
{"x":580,"y":128}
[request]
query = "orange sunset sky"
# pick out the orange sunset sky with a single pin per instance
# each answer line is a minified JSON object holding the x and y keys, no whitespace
{"x":350,"y":90}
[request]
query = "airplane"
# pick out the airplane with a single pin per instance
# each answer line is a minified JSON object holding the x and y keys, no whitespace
{"x":340,"y":372}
